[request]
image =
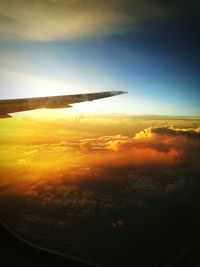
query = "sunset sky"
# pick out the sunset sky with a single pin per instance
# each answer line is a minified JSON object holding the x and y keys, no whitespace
{"x":116,"y":177}
{"x":147,"y":48}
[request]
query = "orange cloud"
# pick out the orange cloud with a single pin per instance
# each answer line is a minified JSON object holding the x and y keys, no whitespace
{"x":79,"y":159}
{"x":153,"y":145}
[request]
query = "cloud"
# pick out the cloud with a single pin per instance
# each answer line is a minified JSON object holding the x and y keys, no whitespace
{"x":115,"y":186}
{"x":78,"y":160}
{"x":185,"y":141}
{"x":44,"y":20}
{"x":148,"y":137}
{"x":171,"y":131}
{"x":163,"y":144}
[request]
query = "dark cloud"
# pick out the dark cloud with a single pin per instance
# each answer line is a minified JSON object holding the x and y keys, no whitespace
{"x":185,"y":141}
{"x":171,"y":131}
{"x":64,"y":19}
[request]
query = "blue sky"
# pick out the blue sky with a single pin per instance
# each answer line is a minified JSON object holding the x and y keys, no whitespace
{"x":156,"y":61}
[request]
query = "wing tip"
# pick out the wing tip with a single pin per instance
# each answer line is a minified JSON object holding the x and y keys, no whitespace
{"x":123,"y":92}
{"x":119,"y":92}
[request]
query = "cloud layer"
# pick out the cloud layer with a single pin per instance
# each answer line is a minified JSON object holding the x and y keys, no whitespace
{"x":159,"y":145}
{"x":97,"y":158}
{"x":69,"y":189}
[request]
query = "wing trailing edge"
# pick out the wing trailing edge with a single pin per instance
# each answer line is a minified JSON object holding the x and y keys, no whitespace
{"x":63,"y":101}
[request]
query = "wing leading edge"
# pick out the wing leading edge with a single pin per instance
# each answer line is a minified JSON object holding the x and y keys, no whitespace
{"x":63,"y":101}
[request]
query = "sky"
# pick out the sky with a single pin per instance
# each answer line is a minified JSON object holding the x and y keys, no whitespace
{"x":148,"y":48}
{"x":117,"y":170}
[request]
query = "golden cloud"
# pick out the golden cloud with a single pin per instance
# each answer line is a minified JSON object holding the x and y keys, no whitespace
{"x":163,"y":144}
{"x":24,"y":166}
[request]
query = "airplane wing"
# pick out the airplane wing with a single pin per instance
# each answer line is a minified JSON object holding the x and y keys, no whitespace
{"x":64,"y":101}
